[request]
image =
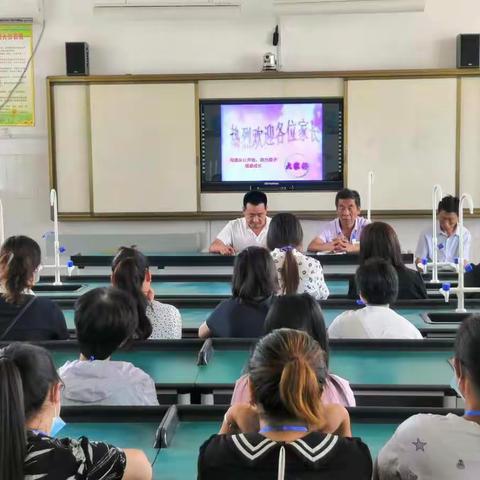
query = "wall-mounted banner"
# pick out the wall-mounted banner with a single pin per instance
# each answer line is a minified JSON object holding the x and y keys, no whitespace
{"x":15,"y":51}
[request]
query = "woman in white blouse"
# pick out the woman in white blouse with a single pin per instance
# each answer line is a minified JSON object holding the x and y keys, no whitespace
{"x":156,"y":321}
{"x":296,"y":272}
{"x":442,"y":447}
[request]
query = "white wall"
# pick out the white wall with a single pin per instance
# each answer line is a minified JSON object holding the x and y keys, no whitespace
{"x":147,"y":44}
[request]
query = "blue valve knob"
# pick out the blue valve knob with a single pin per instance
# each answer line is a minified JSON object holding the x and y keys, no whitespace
{"x":70,"y":264}
{"x":468,"y":267}
{"x":446,"y":286}
{"x":440,"y":246}
{"x":424,"y":261}
{"x":62,"y":249}
{"x":455,"y":260}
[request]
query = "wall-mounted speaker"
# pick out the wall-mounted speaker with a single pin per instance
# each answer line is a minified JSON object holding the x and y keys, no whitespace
{"x":468,"y":50}
{"x":77,"y":58}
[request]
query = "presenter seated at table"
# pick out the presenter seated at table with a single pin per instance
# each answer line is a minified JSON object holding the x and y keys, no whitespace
{"x":377,"y":283}
{"x":254,"y":284}
{"x":30,"y":422}
{"x":343,"y":233}
{"x":296,"y":272}
{"x":156,"y":320}
{"x":287,"y":432}
{"x":250,"y":230}
{"x":300,"y":312}
{"x":442,"y":447}
{"x":105,"y":319}
{"x":23,"y":316}
{"x":380,"y":240}
{"x":448,"y":235}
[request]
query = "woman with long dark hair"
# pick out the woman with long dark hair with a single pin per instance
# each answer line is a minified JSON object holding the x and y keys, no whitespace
{"x":23,"y":316}
{"x":379,"y":240}
{"x":130,"y":272}
{"x":30,"y":419}
{"x":254,"y":283}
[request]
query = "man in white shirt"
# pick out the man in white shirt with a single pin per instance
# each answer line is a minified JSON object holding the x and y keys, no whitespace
{"x":250,"y":230}
{"x":343,"y":233}
{"x":448,"y":235}
{"x":377,"y":282}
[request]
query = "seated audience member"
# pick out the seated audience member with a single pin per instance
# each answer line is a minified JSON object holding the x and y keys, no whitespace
{"x":301,"y":312}
{"x":287,"y":421}
{"x":248,"y":231}
{"x":23,"y":316}
{"x":442,"y":447}
{"x":30,"y":420}
{"x":380,"y":240}
{"x":448,"y":234}
{"x":377,"y":283}
{"x":343,"y":233}
{"x":297,"y":273}
{"x":254,"y":283}
{"x":105,"y":319}
{"x":472,"y":279}
{"x":156,"y":321}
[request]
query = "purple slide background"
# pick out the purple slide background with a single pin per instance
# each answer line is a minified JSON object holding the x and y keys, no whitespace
{"x":272,"y":142}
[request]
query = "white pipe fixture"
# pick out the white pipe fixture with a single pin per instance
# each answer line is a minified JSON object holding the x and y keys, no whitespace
{"x":425,"y":265}
{"x":371,"y":180}
{"x":436,"y":197}
{"x":56,"y":243}
{"x":460,"y":290}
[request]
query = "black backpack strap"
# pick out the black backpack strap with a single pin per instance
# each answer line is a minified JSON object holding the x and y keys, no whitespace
{"x":18,"y":317}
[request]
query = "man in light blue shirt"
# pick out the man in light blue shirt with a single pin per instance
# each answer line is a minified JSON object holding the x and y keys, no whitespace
{"x":448,"y":235}
{"x":343,"y":233}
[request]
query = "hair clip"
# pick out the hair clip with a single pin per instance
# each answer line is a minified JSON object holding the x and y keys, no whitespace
{"x":287,"y":248}
{"x":10,"y":258}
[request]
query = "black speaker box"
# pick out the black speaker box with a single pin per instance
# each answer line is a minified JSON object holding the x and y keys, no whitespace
{"x":468,"y":50}
{"x":77,"y":58}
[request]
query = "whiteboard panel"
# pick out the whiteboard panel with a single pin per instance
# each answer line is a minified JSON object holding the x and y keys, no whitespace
{"x":404,"y":131}
{"x":144,"y":148}
{"x":272,"y":88}
{"x":470,"y":139}
{"x":277,"y":201}
{"x":72,"y":148}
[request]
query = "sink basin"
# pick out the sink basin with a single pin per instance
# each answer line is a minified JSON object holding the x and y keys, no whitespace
{"x":445,"y":317}
{"x":49,"y":287}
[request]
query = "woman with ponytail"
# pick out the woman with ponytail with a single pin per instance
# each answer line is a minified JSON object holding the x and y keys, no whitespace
{"x":130,"y":272}
{"x":297,"y":273}
{"x":29,"y":421}
{"x":22,"y":315}
{"x":301,"y":312}
{"x":287,"y":429}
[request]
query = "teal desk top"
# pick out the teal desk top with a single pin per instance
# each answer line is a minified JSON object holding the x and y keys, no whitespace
{"x":372,"y":367}
{"x":179,"y":461}
{"x":191,"y":317}
{"x":167,"y":367}
{"x":194,"y":317}
{"x":182,"y":289}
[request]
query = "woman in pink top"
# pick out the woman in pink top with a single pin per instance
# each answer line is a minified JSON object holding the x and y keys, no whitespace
{"x":300,"y":312}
